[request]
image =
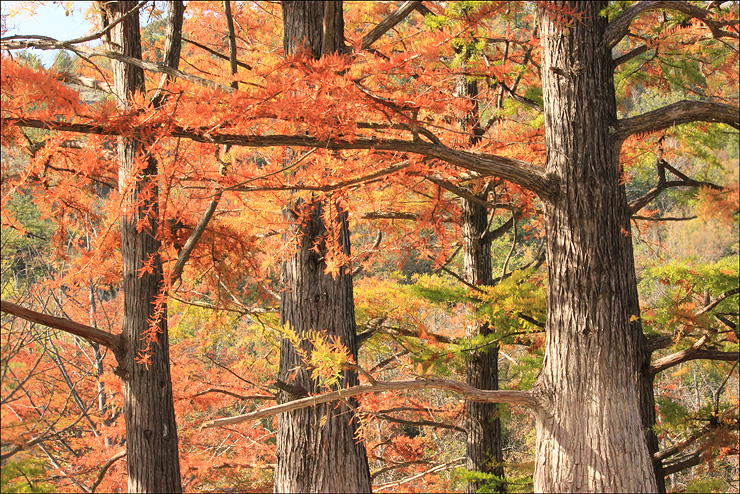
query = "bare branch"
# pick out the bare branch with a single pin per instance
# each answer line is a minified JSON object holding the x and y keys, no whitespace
{"x":83,"y":81}
{"x":635,"y":52}
{"x":525,"y":398}
{"x":718,"y":300}
{"x":438,"y":468}
{"x":676,"y":114}
{"x":664,"y":218}
{"x":192,"y":241}
{"x":618,"y":28}
{"x":400,"y":14}
{"x":109,"y":340}
{"x":419,"y":423}
{"x":692,"y":353}
{"x":682,"y":463}
{"x":105,"y":469}
{"x":234,"y":395}
{"x":215,"y":53}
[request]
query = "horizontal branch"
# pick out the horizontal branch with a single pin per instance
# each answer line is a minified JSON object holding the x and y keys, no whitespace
{"x":675,"y":114}
{"x":108,"y":340}
{"x":682,"y":463}
{"x":525,"y":398}
{"x":214,"y":52}
{"x":517,"y":171}
{"x":234,"y":395}
{"x":416,"y":423}
{"x":692,"y":353}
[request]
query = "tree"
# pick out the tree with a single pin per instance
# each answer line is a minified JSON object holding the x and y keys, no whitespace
{"x":356,"y":112}
{"x":144,"y":367}
{"x":317,"y":302}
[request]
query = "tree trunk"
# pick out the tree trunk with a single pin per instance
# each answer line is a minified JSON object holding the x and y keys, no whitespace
{"x":483,"y":447}
{"x":317,"y":447}
{"x":589,"y":430}
{"x":483,"y":425}
{"x":151,"y":431}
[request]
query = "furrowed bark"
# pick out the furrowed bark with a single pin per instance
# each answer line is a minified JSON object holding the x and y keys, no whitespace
{"x":151,"y":431}
{"x":317,"y":449}
{"x":589,"y":431}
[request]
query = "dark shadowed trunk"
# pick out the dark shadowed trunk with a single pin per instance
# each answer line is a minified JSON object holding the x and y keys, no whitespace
{"x":589,"y":431}
{"x":317,"y":447}
{"x":483,"y":425}
{"x":151,"y":431}
{"x":483,"y":447}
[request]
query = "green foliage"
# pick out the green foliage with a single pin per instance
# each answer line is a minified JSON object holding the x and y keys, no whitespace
{"x":503,"y":305}
{"x":704,"y":485}
{"x":517,"y":479}
{"x":16,"y":476}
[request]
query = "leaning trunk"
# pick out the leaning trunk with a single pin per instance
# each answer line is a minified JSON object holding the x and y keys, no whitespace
{"x":589,"y":431}
{"x":151,"y":431}
{"x":317,"y":447}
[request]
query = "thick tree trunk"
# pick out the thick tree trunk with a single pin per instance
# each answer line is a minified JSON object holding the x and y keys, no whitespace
{"x":482,"y":423}
{"x":151,"y":431}
{"x":589,"y":429}
{"x":317,"y":447}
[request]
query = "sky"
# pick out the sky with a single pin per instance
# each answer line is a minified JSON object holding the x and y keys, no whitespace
{"x":49,"y":20}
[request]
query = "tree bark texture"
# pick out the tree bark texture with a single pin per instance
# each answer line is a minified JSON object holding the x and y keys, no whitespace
{"x":589,"y":429}
{"x":304,"y":27}
{"x":151,"y":430}
{"x":483,"y":426}
{"x":317,"y":448}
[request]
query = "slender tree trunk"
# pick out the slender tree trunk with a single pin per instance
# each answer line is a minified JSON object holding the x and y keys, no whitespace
{"x":483,"y":425}
{"x":589,"y":429}
{"x":151,"y":431}
{"x":317,"y":447}
{"x":483,"y":446}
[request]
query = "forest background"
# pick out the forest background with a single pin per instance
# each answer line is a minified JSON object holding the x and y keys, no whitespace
{"x":418,"y":312}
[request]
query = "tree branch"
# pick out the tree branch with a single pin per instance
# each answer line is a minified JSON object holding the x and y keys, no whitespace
{"x":519,"y":172}
{"x":635,"y":52}
{"x":438,"y":468}
{"x":105,"y":468}
{"x":215,"y":53}
{"x":108,"y":340}
{"x":682,"y":463}
{"x":192,"y":241}
{"x":52,"y":44}
{"x":618,"y":28}
{"x":692,"y":353}
{"x":712,"y":305}
{"x":419,"y":423}
{"x":400,"y":14}
{"x":234,"y":395}
{"x":675,"y":114}
{"x":525,"y":398}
